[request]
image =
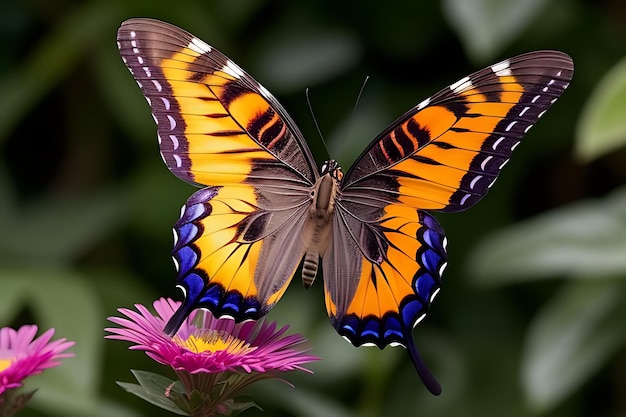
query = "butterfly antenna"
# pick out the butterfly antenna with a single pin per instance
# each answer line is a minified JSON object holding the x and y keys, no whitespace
{"x":356,"y":105}
{"x":358,"y":98}
{"x":317,"y":126}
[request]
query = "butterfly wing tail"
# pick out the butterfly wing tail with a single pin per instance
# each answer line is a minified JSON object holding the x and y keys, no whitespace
{"x":424,"y":373}
{"x":194,"y":285}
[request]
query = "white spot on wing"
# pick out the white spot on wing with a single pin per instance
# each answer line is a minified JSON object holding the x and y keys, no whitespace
{"x":175,"y":142}
{"x":510,"y":126}
{"x":485,"y":161}
{"x":462,"y":84}
{"x":175,"y":237}
{"x":179,"y":162}
{"x":182,"y":289}
{"x":502,"y":69}
{"x":265,"y":92}
{"x":232,"y":69}
{"x":423,"y":104}
{"x":172,"y":122}
{"x":475,"y":180}
{"x":497,"y":143}
{"x":432,"y":297}
{"x":199,"y":46}
{"x":420,"y":318}
{"x":166,"y":103}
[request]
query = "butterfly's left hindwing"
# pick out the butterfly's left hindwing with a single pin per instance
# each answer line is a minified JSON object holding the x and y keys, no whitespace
{"x":221,"y":255}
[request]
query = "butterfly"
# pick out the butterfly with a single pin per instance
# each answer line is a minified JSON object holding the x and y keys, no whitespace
{"x":264,"y":208}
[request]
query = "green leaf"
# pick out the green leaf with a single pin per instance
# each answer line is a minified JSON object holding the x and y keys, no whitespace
{"x":602,"y":125}
{"x":586,"y":239}
{"x":152,"y":388}
{"x":570,"y":339}
{"x":486,"y":27}
{"x":234,"y":408}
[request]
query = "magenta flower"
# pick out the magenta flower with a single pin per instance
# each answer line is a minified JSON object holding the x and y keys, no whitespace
{"x":213,"y":357}
{"x":22,"y":356}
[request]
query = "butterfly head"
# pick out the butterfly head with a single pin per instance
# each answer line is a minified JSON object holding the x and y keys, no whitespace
{"x":332,"y":168}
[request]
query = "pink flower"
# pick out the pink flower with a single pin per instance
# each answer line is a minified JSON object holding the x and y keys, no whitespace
{"x":214,"y":357}
{"x":215,"y":345}
{"x":21,"y":355}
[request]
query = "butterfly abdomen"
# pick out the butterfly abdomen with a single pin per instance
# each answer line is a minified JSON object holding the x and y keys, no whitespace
{"x":317,"y":234}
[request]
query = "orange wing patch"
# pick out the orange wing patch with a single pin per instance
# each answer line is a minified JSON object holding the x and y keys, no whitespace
{"x":434,"y":172}
{"x":219,"y":145}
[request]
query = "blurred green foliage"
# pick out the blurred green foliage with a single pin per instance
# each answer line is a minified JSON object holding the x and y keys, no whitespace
{"x":531,"y":316}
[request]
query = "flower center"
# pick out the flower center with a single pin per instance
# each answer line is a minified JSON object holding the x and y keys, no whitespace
{"x":4,"y":364}
{"x":213,"y":341}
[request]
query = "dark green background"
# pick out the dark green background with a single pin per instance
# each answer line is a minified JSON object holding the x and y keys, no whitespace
{"x":530,"y":319}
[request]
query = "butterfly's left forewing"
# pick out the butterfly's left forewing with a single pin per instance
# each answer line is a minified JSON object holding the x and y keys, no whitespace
{"x":444,"y":155}
{"x":237,"y":241}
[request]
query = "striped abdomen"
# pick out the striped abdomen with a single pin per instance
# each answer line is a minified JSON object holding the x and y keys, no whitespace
{"x":318,"y":230}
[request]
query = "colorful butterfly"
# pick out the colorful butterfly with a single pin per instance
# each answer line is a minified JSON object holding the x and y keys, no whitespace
{"x":265,"y":206}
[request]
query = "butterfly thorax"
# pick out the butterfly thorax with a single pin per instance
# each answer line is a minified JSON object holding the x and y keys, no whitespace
{"x":317,"y":233}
